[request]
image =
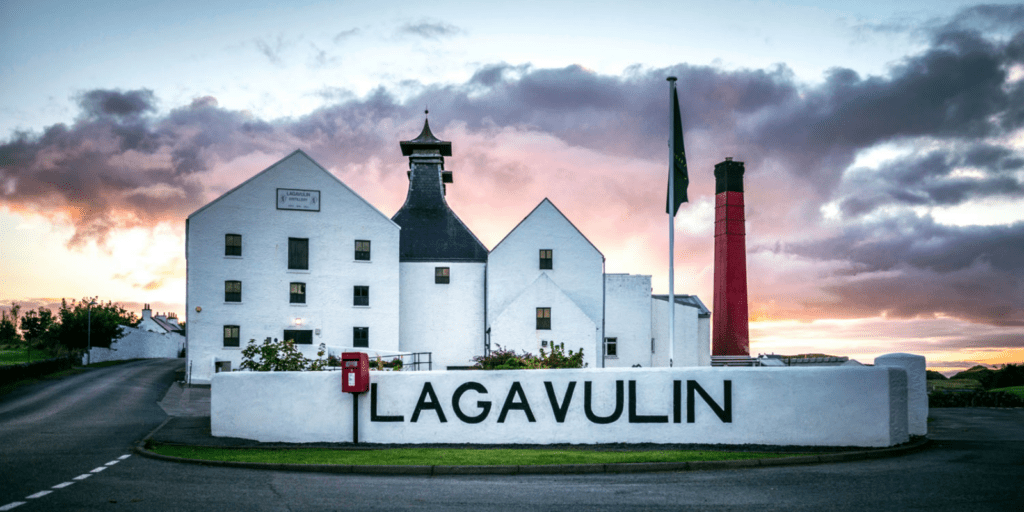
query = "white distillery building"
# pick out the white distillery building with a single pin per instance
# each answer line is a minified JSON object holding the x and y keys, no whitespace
{"x":294,"y":253}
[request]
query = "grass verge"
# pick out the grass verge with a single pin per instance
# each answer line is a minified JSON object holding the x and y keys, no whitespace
{"x":1014,"y":390}
{"x":447,"y":457}
{"x":20,"y":355}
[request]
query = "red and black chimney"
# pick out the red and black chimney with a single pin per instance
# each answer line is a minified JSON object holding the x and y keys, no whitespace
{"x":731,"y":336}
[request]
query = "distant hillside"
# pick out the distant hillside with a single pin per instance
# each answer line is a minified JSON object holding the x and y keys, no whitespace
{"x":975,"y":373}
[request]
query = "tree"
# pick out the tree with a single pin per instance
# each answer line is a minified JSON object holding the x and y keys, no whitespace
{"x":9,"y":325}
{"x":73,"y":332}
{"x":37,"y":325}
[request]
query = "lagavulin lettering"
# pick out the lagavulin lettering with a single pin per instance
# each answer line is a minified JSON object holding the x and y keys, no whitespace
{"x":429,"y":407}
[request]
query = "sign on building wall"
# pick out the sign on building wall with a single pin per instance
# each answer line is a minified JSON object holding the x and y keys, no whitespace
{"x":295,"y":199}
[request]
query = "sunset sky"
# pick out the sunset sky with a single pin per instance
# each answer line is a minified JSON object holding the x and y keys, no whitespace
{"x":883,"y":142}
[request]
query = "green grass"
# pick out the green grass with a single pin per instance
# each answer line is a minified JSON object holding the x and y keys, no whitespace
{"x":1016,"y":390}
{"x":19,"y":355}
{"x":446,"y":457}
{"x":952,"y":384}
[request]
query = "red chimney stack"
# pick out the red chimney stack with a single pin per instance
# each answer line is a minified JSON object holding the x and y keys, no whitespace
{"x":731,"y":335}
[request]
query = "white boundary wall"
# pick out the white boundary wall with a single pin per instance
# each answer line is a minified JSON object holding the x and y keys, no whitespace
{"x":917,"y":388}
{"x":835,"y":406}
{"x":137,"y":343}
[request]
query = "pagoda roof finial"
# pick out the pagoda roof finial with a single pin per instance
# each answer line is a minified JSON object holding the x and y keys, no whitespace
{"x":426,"y":141}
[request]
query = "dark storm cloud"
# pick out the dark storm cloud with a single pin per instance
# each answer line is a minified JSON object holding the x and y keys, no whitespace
{"x":911,"y":266}
{"x":100,"y":103}
{"x":928,"y":179}
{"x":430,"y":30}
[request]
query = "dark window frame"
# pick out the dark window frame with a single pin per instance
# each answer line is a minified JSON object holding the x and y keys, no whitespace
{"x":442,"y":275}
{"x":360,"y":295}
{"x":364,"y":253}
{"x":231,"y":341}
{"x":547,"y":259}
{"x":230,"y":294}
{"x":230,"y":248}
{"x":611,"y":347}
{"x":361,"y":337}
{"x":296,"y":297}
{"x":298,"y":253}
{"x":543,"y":319}
{"x":299,"y":336}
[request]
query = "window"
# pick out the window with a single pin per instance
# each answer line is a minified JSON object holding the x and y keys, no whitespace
{"x":298,"y":293}
{"x":360,"y":295}
{"x":230,"y":335}
{"x":232,"y":291}
{"x":611,"y":347}
{"x":544,"y":318}
{"x":652,"y":345}
{"x":362,"y":250}
{"x":361,"y":337}
{"x":441,"y":275}
{"x":298,"y":254}
{"x":545,"y":259}
{"x":299,"y":337}
{"x":232,"y":245}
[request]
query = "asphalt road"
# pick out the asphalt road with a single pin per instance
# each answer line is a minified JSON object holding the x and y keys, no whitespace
{"x":55,"y":431}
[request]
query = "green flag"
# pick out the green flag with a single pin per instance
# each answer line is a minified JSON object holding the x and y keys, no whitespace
{"x":677,"y":176}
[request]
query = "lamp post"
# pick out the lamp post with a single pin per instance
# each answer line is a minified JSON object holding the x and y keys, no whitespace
{"x":88,"y":335}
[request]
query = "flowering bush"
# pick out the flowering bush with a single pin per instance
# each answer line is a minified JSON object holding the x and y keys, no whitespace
{"x":280,"y":356}
{"x":504,"y":359}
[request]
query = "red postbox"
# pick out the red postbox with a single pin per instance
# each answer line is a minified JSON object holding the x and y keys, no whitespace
{"x":355,"y":372}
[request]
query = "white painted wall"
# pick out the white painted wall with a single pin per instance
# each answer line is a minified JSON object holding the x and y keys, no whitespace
{"x":917,"y":396}
{"x":628,"y":319}
{"x":251,"y":211}
{"x":515,"y":328}
{"x":835,"y":406}
{"x":514,"y":264}
{"x":445,"y":319}
{"x":693,"y":336}
{"x":137,"y":343}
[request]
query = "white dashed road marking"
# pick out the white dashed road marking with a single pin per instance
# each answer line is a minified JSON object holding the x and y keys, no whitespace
{"x":62,"y":485}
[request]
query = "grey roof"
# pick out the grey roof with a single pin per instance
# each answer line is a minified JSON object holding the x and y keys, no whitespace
{"x":688,"y":300}
{"x":169,"y":327}
{"x":430,"y":229}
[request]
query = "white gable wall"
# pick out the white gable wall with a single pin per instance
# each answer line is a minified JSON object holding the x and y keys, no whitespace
{"x":445,"y":319}
{"x":251,"y":211}
{"x":515,"y":262}
{"x":515,"y":328}
{"x":693,"y":336}
{"x":628,"y":319}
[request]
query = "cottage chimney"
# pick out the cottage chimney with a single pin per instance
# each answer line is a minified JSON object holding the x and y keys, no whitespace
{"x":147,"y":313}
{"x":731,"y":335}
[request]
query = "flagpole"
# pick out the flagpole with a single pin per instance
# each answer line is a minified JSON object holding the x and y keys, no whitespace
{"x":671,"y":225}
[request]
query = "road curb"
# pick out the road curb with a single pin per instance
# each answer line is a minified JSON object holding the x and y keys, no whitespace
{"x":550,"y":469}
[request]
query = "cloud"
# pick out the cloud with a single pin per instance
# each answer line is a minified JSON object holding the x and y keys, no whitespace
{"x":910,"y":266}
{"x":430,"y":30}
{"x":272,"y":49}
{"x":533,"y":132}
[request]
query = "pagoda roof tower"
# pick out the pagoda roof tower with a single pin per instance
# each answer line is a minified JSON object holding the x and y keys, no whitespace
{"x":430,"y":229}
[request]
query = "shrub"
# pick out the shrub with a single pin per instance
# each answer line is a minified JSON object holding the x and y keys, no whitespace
{"x":504,"y":359}
{"x":280,"y":356}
